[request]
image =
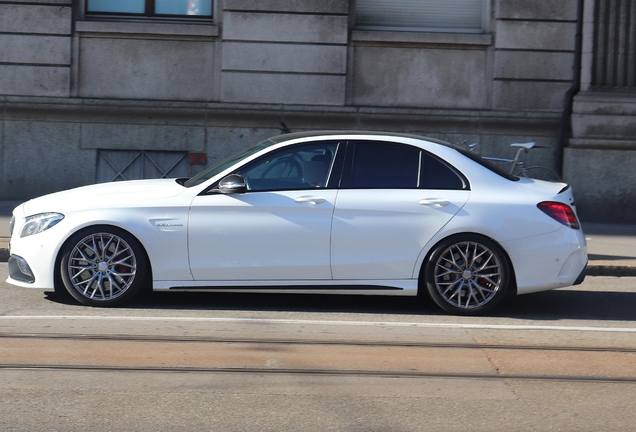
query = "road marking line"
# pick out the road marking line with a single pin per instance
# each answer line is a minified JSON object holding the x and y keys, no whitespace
{"x":325,"y":322}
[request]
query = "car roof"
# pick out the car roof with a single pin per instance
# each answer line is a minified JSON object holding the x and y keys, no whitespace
{"x":356,"y":133}
{"x":295,"y":135}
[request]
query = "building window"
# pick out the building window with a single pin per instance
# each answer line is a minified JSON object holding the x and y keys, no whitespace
{"x":152,"y":8}
{"x":460,"y":16}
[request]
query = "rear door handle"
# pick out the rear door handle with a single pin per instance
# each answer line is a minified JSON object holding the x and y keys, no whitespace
{"x":309,"y":199}
{"x":434,"y":202}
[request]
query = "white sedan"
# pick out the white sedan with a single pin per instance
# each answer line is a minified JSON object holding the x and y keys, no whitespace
{"x":320,"y":213}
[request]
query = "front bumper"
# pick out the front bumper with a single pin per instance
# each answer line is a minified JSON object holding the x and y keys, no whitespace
{"x":19,"y":270}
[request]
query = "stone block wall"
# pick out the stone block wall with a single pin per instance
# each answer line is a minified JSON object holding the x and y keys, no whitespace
{"x":285,"y":52}
{"x":401,"y":69}
{"x":35,"y":58}
{"x":72,"y":86}
{"x":534,"y":45}
{"x":153,"y":61}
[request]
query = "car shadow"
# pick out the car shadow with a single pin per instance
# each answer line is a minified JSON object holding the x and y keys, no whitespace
{"x":546,"y":306}
{"x":571,"y":305}
{"x":287,"y":303}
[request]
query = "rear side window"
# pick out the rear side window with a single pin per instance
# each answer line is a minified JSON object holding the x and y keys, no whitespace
{"x":385,"y":165}
{"x":435,"y":174}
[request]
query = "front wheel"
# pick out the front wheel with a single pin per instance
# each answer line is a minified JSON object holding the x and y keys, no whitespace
{"x":103,"y":266}
{"x":467,"y":274}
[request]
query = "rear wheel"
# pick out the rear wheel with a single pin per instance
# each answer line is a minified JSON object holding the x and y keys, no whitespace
{"x":103,"y":266}
{"x":467,"y":274}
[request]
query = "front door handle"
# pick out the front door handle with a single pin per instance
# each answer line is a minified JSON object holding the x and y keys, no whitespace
{"x":310,"y":199}
{"x":434,"y":202}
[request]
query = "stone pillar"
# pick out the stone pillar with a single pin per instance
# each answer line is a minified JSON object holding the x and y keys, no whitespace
{"x":600,"y":160}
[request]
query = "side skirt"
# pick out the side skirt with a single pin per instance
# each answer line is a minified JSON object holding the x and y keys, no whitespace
{"x":406,"y":287}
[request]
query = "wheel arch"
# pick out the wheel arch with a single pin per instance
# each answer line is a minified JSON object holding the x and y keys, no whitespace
{"x":57,"y":276}
{"x":421,"y":289}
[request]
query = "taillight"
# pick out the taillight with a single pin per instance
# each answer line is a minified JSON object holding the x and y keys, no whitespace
{"x":560,"y":212}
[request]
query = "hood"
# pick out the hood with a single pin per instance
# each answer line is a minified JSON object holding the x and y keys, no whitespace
{"x":104,"y":195}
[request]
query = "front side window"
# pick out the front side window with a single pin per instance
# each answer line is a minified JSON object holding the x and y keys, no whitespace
{"x":151,"y":8}
{"x":298,"y":167}
{"x":461,"y":16}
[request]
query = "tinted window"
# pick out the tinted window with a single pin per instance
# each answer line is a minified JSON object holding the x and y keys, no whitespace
{"x":296,"y":167}
{"x":384,"y":165}
{"x":435,"y":174}
{"x":377,"y":165}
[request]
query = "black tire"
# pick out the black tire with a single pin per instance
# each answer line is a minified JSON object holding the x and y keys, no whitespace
{"x":467,"y":274}
{"x":103,"y":266}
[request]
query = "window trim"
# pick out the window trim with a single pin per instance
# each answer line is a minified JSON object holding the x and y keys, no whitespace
{"x":149,"y":8}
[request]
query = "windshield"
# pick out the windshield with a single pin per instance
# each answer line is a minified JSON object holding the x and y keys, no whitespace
{"x":225,"y":164}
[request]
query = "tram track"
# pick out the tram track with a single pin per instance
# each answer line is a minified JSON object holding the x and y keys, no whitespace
{"x":170,"y":354}
{"x":343,"y":342}
{"x":313,"y":372}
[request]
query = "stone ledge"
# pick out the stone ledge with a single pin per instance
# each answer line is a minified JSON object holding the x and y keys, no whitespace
{"x":605,"y":103}
{"x":603,"y":126}
{"x":421,"y":38}
{"x":27,"y":103}
{"x":299,"y":6}
{"x":602,"y":144}
{"x":131,"y":29}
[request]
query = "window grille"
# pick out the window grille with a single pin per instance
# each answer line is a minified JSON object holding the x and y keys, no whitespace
{"x":464,"y":16}
{"x":614,"y":59}
{"x":118,"y":165}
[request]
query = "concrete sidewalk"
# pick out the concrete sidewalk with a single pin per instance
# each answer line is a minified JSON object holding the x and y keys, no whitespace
{"x":611,"y":247}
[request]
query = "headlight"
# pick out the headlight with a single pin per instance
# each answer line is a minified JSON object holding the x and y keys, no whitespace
{"x":11,"y":225}
{"x":40,"y":222}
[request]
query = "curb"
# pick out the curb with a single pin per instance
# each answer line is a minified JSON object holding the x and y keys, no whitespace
{"x":610,"y":270}
{"x":601,"y":269}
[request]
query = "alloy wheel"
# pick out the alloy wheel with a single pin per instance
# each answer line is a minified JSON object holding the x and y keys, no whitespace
{"x":468,"y":275}
{"x":102,"y":266}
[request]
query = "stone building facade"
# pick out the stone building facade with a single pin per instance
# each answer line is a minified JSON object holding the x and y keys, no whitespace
{"x":87,"y":97}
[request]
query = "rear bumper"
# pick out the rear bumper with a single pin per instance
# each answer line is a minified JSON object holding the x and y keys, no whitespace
{"x":548,"y":261}
{"x":579,"y":280}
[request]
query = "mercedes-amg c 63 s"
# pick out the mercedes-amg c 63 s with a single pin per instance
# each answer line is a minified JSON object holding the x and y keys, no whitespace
{"x":322,"y":212}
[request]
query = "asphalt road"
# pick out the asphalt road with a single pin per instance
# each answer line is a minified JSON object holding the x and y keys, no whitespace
{"x":559,"y":360}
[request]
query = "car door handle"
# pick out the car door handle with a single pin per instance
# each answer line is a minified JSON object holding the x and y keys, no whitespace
{"x":309,"y":199}
{"x":434,"y":202}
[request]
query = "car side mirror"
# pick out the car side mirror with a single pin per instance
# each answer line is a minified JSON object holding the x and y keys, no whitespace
{"x":232,"y":184}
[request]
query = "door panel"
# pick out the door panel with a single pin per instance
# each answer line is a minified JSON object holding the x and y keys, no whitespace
{"x":281,"y":235}
{"x":379,"y":233}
